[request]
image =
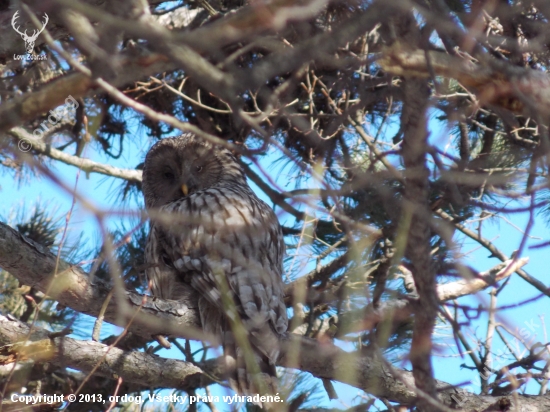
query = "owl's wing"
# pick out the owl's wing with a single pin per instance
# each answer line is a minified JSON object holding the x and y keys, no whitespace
{"x":232,"y":234}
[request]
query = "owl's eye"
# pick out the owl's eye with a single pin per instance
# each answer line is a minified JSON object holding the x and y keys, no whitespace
{"x":198,"y":168}
{"x":169,"y":175}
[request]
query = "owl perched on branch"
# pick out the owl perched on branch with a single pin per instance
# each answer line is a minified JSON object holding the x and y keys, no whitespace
{"x":211,"y":233}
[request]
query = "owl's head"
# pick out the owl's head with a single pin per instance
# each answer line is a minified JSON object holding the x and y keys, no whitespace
{"x":178,"y":167}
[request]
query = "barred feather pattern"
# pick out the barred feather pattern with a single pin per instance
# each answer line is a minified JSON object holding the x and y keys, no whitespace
{"x":222,"y":241}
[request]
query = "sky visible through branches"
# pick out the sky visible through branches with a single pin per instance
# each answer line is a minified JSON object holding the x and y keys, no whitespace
{"x":404,"y":145}
{"x":504,"y":231}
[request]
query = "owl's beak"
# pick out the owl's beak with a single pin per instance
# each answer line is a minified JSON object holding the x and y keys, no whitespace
{"x":184,"y":189}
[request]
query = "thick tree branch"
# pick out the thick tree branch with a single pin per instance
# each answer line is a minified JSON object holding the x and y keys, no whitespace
{"x":368,"y":373}
{"x":34,"y":265}
{"x":139,"y":368}
{"x":31,"y":105}
{"x":417,"y":232}
{"x":497,"y":82}
{"x":11,"y":40}
{"x":185,"y":48}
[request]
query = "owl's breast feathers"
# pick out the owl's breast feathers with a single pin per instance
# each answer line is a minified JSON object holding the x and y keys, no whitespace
{"x":219,"y":244}
{"x":228,"y":230}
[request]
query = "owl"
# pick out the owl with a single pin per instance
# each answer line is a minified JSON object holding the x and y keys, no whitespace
{"x":212,"y":235}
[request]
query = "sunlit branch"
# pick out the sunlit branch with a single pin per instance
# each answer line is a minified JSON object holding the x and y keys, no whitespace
{"x":87,"y":165}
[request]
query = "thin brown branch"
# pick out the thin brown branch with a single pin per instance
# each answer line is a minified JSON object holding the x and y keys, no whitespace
{"x":400,"y":310}
{"x":87,"y":165}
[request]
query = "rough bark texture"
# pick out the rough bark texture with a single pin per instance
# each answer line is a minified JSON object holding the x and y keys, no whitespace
{"x":77,"y":85}
{"x":142,"y":369}
{"x":34,"y":265}
{"x":415,"y":147}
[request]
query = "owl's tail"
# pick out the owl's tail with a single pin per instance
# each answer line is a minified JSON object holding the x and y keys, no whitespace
{"x":252,"y":368}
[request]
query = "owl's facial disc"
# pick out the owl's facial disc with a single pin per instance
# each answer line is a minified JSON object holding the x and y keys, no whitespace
{"x":177,"y":168}
{"x":199,"y":170}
